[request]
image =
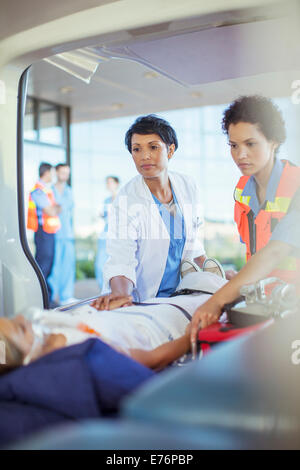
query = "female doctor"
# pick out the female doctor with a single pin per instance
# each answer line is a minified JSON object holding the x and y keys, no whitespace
{"x":154,"y":220}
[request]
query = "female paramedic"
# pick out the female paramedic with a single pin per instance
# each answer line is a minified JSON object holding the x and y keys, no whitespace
{"x":267,"y":201}
{"x":154,"y":221}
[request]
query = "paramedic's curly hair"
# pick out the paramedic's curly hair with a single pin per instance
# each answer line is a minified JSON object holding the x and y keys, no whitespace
{"x":256,"y":110}
{"x":152,"y":124}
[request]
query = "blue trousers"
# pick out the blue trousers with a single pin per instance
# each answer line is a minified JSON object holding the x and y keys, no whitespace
{"x":62,"y":277}
{"x":44,"y":255}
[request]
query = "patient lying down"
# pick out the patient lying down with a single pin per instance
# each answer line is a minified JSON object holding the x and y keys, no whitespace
{"x":154,"y":335}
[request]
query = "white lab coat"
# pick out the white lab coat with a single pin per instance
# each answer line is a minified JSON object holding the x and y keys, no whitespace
{"x":138,"y":240}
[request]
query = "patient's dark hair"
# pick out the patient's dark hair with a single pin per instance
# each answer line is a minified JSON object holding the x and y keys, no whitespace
{"x":152,"y":124}
{"x":257,"y":110}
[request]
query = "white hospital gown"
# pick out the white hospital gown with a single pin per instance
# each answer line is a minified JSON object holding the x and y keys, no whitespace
{"x":142,"y":327}
{"x":138,"y":326}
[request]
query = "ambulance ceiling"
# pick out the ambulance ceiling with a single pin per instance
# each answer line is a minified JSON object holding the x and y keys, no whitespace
{"x":207,"y":60}
{"x":19,"y":15}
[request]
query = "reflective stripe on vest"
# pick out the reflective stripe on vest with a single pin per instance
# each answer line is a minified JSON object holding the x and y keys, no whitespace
{"x":238,"y":196}
{"x":51,"y":224}
{"x":267,"y":218}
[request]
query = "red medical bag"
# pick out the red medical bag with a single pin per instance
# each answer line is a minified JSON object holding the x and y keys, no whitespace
{"x":221,"y":331}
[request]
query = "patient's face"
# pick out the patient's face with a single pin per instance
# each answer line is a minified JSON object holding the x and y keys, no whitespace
{"x":18,"y":331}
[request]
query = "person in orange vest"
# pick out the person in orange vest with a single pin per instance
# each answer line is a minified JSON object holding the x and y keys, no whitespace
{"x":267,"y":202}
{"x":43,"y":220}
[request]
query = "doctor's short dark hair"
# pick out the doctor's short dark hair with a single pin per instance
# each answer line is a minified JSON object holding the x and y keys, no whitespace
{"x":152,"y":124}
{"x":256,"y":109}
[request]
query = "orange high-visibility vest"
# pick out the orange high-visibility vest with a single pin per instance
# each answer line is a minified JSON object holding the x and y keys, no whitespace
{"x":267,"y":218}
{"x":51,"y":224}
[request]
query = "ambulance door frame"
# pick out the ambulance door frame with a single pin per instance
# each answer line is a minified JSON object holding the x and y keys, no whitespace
{"x":20,"y":185}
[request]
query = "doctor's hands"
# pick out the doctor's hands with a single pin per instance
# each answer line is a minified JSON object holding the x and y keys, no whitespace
{"x":112,"y":301}
{"x":205,"y":315}
{"x":121,"y":288}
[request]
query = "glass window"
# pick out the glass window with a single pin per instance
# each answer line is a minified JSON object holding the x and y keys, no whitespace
{"x":30,"y":127}
{"x":51,"y":130}
{"x":45,"y":140}
{"x":45,"y":122}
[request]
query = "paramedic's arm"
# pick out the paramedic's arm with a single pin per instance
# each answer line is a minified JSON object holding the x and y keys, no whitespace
{"x":121,"y":288}
{"x":258,"y":267}
{"x":163,"y":355}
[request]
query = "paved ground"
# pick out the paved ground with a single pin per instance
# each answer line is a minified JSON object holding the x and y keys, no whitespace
{"x":86,"y":288}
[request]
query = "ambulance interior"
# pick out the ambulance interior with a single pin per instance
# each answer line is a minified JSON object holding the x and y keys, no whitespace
{"x":244,"y":394}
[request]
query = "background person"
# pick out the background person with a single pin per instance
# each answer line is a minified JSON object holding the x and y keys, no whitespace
{"x":62,"y":277}
{"x":112,"y":185}
{"x":154,"y":221}
{"x":43,"y":219}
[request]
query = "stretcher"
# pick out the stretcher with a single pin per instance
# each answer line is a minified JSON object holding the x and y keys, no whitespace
{"x":220,"y":332}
